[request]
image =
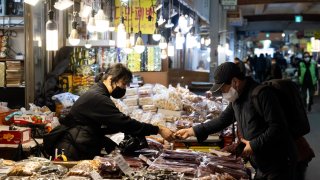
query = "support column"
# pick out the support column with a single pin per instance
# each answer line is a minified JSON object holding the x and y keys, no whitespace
{"x":214,"y":36}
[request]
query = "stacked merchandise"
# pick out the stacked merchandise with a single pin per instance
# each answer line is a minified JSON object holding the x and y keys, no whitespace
{"x":3,"y":46}
{"x":168,"y":165}
{"x":175,"y":108}
{"x":2,"y":74}
{"x":14,"y":73}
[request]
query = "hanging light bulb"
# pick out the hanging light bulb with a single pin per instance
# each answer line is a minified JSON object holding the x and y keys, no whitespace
{"x":169,"y":24}
{"x":139,"y":46}
{"x":161,"y":20}
{"x":179,"y":40}
{"x":74,"y":38}
{"x":182,"y":22}
{"x":163,"y":43}
{"x":63,"y":4}
{"x":156,"y":35}
{"x":121,"y":34}
{"x":164,"y":54}
{"x":102,"y":23}
{"x":111,"y":26}
{"x":31,"y":2}
{"x":132,"y":37}
{"x":128,"y":48}
{"x":91,"y":27}
{"x":88,"y":45}
{"x":51,"y":33}
{"x":170,"y":49}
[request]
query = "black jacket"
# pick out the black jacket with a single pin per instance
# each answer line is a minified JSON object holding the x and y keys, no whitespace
{"x":92,"y":117}
{"x":268,"y":135}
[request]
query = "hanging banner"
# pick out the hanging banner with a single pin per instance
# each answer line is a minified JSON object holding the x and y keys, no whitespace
{"x":136,"y":14}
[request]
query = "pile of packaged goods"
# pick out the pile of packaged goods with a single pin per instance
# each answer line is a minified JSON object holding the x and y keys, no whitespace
{"x":169,"y":164}
{"x":174,"y":107}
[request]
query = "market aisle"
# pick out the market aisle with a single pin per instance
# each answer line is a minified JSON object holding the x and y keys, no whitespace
{"x":313,"y":171}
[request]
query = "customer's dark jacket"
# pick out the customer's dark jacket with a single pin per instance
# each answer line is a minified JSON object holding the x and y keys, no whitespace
{"x":268,"y":135}
{"x":91,"y":117}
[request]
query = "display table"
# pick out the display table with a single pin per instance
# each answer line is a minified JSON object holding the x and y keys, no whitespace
{"x":213,"y":141}
{"x":8,"y":151}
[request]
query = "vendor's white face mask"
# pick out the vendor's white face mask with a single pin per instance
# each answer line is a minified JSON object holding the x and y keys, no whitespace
{"x":231,"y":95}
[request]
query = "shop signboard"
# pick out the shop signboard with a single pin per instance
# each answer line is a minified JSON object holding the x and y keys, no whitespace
{"x":229,"y":2}
{"x":235,"y":18}
{"x":317,"y":34}
{"x":229,"y":7}
{"x":138,"y":13}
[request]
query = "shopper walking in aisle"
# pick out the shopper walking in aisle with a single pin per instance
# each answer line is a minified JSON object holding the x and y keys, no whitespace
{"x":240,"y":64}
{"x":267,"y":140}
{"x":94,"y":115}
{"x":308,"y":77}
{"x":275,"y":70}
{"x":260,"y":68}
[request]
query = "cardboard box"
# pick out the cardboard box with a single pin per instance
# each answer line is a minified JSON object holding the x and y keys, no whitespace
{"x":21,"y":135}
{"x":35,"y":119}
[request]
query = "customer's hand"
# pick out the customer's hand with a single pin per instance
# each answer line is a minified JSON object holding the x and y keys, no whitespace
{"x":166,"y":133}
{"x":247,"y":151}
{"x":184,"y":133}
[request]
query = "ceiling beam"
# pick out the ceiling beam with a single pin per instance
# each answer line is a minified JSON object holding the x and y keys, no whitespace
{"x":301,"y":8}
{"x":248,"y":2}
{"x":281,"y":17}
{"x":259,"y":9}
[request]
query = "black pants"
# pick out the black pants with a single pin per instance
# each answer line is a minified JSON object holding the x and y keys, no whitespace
{"x":304,"y":90}
{"x":280,"y":174}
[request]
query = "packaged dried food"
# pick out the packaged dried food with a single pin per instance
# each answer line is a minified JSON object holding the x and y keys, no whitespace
{"x":130,"y":101}
{"x":146,"y":117}
{"x":108,"y":167}
{"x":145,"y":101}
{"x":151,"y":108}
{"x":131,"y":91}
{"x":83,"y":168}
{"x":137,"y":114}
{"x":153,"y":144}
{"x":56,"y":169}
{"x":158,"y":119}
{"x":76,"y":178}
{"x":159,"y":89}
{"x":145,"y":91}
{"x":121,"y":106}
{"x":25,"y":168}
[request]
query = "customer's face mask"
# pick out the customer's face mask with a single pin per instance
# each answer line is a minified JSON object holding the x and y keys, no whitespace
{"x":118,"y":92}
{"x":307,"y":59}
{"x":231,"y":95}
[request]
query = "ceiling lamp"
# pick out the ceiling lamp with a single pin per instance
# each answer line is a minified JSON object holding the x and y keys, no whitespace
{"x":121,"y":34}
{"x":161,"y":20}
{"x":51,"y":33}
{"x":74,"y":38}
{"x":179,"y":40}
{"x":170,"y":49}
{"x":139,"y":46}
{"x":91,"y":26}
{"x":169,"y":24}
{"x":163,"y":43}
{"x":156,"y":35}
{"x":63,"y":4}
{"x":111,"y":26}
{"x":102,"y":23}
{"x":128,"y":48}
{"x":88,"y":45}
{"x":31,"y":2}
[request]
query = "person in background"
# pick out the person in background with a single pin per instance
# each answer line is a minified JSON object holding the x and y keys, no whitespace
{"x":201,"y":66}
{"x":275,"y":70}
{"x":94,"y":115}
{"x":247,"y":65}
{"x":241,"y":65}
{"x":261,"y":68}
{"x":267,"y":139}
{"x":308,"y":77}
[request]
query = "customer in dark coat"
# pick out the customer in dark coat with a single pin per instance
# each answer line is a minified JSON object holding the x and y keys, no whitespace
{"x":267,"y":140}
{"x":275,"y":70}
{"x":94,"y":115}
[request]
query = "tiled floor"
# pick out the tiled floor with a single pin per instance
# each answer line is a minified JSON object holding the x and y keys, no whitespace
{"x":313,"y":171}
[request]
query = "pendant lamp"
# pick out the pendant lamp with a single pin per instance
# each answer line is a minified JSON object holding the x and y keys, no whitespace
{"x":51,"y":33}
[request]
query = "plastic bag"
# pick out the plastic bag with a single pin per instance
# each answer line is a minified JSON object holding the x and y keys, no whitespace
{"x":132,"y":143}
{"x":158,"y":120}
{"x":146,"y":117}
{"x":66,"y":99}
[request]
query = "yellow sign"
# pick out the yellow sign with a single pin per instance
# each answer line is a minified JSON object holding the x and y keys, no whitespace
{"x":135,"y":12}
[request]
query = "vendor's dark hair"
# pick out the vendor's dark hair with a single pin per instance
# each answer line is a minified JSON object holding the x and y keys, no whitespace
{"x":117,"y":71}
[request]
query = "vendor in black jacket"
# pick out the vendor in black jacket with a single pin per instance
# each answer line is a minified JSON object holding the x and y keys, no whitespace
{"x":94,"y":115}
{"x":267,"y":139}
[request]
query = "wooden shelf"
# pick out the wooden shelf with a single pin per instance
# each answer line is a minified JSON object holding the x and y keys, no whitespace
{"x":4,"y":59}
{"x":12,"y":28}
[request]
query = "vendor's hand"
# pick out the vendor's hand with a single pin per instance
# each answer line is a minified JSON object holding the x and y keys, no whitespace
{"x":184,"y":133}
{"x":166,"y":133}
{"x":247,"y":151}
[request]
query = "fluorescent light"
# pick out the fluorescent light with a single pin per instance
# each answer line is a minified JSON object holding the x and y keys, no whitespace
{"x":31,"y":2}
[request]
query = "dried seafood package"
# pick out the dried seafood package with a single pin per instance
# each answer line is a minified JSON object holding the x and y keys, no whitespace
{"x":108,"y":168}
{"x":25,"y":168}
{"x":56,"y":169}
{"x":84,"y":168}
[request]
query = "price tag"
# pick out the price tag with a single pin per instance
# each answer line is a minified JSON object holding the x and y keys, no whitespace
{"x":145,"y":159}
{"x":123,"y":165}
